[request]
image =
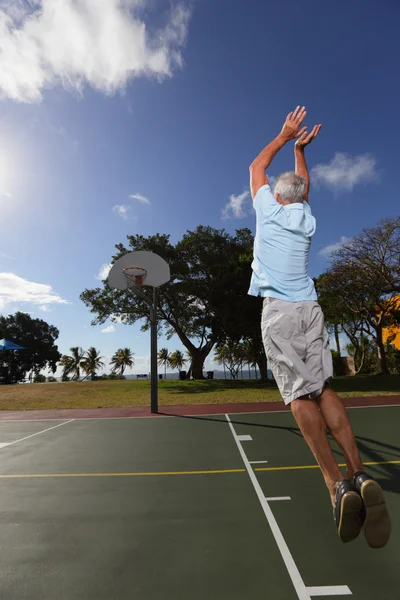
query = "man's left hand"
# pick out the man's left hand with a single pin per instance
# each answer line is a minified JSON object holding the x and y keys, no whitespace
{"x":306,"y":138}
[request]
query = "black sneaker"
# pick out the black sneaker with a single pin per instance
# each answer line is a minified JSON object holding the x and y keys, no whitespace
{"x":348,"y":511}
{"x":377,"y":525}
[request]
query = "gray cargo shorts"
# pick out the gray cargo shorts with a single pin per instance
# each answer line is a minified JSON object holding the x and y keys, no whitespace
{"x":296,"y":343}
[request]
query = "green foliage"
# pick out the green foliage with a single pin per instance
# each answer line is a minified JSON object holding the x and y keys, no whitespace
{"x":51,"y":380}
{"x":122,"y":358}
{"x":72,"y":364}
{"x":359,"y":292}
{"x":39,"y":378}
{"x":65,"y":378}
{"x":111,"y":377}
{"x":163,"y":359}
{"x":177,"y":360}
{"x":233,"y":355}
{"x":37,"y":337}
{"x":92,"y":362}
{"x":393,"y":356}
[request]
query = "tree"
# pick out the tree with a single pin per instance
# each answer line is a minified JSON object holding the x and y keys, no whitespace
{"x":231,"y":354}
{"x":364,"y":281}
{"x":201,"y":297}
{"x":92,"y":361}
{"x":393,"y":355}
{"x":164,"y":360}
{"x":122,"y":359}
{"x":37,"y":337}
{"x":177,"y":360}
{"x":39,"y":378}
{"x":72,"y":364}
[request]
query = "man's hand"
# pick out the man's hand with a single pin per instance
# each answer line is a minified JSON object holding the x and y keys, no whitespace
{"x":291,"y":128}
{"x":306,"y":138}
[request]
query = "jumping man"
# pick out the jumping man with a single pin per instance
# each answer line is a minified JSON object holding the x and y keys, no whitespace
{"x":295,"y":338}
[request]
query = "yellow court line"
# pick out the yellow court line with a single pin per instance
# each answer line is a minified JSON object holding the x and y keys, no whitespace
{"x":138,"y":474}
{"x":163,"y":473}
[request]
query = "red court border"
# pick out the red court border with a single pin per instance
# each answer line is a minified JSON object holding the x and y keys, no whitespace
{"x":179,"y":410}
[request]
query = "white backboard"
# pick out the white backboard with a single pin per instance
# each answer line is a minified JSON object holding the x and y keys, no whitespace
{"x":157,"y":268}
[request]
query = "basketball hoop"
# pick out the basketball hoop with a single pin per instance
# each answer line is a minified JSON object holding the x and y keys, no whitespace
{"x":153,"y":272}
{"x":134,"y":276}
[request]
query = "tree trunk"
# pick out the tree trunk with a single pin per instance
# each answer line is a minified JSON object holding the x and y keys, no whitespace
{"x":336,"y":330}
{"x":381,"y":352}
{"x":263,"y":367}
{"x":197,"y":364}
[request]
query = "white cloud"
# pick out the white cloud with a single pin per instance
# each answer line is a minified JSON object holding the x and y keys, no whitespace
{"x":103,"y":271}
{"x":343,"y":172}
{"x":121,"y":210}
{"x":327,"y":251}
{"x":139,"y":197}
{"x":74,"y":43}
{"x":16,"y":289}
{"x":236,"y":207}
{"x":109,"y":329}
{"x":45,"y":308}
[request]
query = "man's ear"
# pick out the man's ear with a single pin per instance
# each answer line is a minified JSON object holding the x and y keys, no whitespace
{"x":278,"y":198}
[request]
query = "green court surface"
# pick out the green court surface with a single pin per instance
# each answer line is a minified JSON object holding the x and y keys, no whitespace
{"x":212,"y":507}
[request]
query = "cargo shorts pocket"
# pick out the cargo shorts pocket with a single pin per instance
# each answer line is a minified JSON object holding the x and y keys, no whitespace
{"x":283,"y":326}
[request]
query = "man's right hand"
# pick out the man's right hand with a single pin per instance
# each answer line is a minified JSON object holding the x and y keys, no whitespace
{"x":291,"y":128}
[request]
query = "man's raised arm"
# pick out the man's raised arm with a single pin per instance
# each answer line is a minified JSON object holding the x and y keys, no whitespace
{"x":290,"y":130}
{"x":300,"y":159}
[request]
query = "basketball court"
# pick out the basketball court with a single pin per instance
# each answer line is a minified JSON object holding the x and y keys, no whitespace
{"x":211,"y":506}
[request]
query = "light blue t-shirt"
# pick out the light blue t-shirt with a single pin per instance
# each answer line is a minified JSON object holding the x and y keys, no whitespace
{"x":281,"y":248}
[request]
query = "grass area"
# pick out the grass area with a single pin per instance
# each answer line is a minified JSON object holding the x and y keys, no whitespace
{"x":101,"y":394}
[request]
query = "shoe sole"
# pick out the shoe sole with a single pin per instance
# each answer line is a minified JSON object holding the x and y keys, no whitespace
{"x":349,"y":522}
{"x":377,"y":526}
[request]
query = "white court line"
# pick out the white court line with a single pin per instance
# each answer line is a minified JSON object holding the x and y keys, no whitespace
{"x":277,"y":498}
{"x":245,"y":438}
{"x":258,"y":462}
{"x":39,"y":433}
{"x":294,"y":574}
{"x":329,"y":590}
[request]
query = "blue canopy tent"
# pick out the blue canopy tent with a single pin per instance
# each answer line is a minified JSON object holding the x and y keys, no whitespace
{"x":7,"y":345}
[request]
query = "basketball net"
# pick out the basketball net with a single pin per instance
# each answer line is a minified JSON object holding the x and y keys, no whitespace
{"x":135,"y":276}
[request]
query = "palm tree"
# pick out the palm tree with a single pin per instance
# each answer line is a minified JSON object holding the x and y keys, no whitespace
{"x":122,"y":358}
{"x":177,"y":360}
{"x":72,"y":364}
{"x":164,"y":359}
{"x":92,"y":362}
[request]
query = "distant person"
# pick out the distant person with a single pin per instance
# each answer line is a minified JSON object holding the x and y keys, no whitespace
{"x":295,"y":338}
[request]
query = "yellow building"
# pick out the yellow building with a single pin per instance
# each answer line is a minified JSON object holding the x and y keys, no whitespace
{"x":390,"y":331}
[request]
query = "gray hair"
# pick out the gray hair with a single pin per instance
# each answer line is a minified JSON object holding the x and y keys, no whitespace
{"x":290,"y":187}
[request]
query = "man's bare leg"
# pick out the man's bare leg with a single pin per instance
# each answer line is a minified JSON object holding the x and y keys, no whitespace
{"x":338,"y":423}
{"x":313,"y":428}
{"x":346,"y":501}
{"x":377,"y":525}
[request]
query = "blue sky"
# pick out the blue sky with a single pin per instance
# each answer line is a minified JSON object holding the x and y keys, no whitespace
{"x":172,"y":102}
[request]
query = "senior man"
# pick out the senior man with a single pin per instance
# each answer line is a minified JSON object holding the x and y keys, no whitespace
{"x":295,"y":338}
